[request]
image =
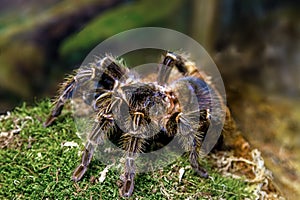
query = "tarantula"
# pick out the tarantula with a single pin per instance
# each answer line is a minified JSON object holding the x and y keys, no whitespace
{"x":151,"y":107}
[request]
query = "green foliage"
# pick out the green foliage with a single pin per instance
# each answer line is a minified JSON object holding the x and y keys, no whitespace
{"x":35,"y":165}
{"x":122,"y":18}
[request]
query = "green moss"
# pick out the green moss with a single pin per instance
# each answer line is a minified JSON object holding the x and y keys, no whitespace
{"x":35,"y":165}
{"x":116,"y":20}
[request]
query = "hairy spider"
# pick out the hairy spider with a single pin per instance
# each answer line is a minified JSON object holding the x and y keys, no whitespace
{"x":134,"y":109}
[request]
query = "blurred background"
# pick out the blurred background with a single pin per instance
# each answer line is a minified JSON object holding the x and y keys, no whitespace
{"x":255,"y":44}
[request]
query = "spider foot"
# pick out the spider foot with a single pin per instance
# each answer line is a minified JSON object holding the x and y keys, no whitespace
{"x":49,"y":121}
{"x":79,"y":172}
{"x":201,"y":172}
{"x":196,"y":165}
{"x":128,"y":184}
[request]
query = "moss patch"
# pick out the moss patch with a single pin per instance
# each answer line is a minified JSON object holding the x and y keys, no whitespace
{"x":35,"y":164}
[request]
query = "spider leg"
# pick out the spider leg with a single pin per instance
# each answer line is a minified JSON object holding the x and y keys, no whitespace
{"x":105,"y":71}
{"x":165,"y":68}
{"x":56,"y":111}
{"x":95,"y":138}
{"x":67,"y":91}
{"x":194,"y":159}
{"x":104,"y":124}
{"x":132,"y":146}
{"x":192,"y":139}
{"x":185,"y":67}
{"x":193,"y":119}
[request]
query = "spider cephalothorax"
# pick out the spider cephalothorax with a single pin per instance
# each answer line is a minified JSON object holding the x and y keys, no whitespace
{"x":137,"y":111}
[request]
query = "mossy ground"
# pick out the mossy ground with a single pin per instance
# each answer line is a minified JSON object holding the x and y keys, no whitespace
{"x":34,"y":164}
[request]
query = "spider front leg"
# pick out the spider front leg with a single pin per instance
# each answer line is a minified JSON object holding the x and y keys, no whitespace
{"x":95,"y":138}
{"x":104,"y":72}
{"x":132,"y":145}
{"x":66,"y":94}
{"x":67,"y":91}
